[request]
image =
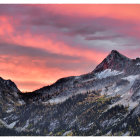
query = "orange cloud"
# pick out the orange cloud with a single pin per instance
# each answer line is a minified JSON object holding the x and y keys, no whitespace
{"x":27,"y":39}
{"x":119,"y":11}
{"x":25,"y":70}
{"x":5,"y":26}
{"x":38,"y":41}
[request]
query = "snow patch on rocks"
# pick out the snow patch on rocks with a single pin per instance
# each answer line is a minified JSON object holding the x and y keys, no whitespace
{"x":67,"y":132}
{"x":108,"y":73}
{"x":53,"y":125}
{"x":10,"y":126}
{"x":10,"y":110}
{"x":131,"y":78}
{"x":26,"y":125}
{"x":126,"y":134}
{"x":57,"y":100}
{"x":21,"y":102}
{"x":126,"y":96}
{"x":138,"y":64}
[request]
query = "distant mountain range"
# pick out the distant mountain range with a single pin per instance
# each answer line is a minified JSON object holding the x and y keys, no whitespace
{"x":105,"y":101}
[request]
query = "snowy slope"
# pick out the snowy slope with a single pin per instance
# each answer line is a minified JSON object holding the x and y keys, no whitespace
{"x":107,"y":73}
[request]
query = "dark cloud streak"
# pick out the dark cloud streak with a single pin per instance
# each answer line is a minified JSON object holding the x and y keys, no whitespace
{"x":10,"y":49}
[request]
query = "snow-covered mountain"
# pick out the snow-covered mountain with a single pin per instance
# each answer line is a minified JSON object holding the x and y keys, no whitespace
{"x":105,"y":101}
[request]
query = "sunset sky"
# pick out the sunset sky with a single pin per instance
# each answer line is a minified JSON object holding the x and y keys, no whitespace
{"x":41,"y":43}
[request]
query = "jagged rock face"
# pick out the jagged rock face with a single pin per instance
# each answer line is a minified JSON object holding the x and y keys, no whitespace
{"x":9,"y":100}
{"x":103,"y":102}
{"x":117,"y":61}
{"x":114,"y":61}
{"x":8,"y":85}
{"x":136,"y":89}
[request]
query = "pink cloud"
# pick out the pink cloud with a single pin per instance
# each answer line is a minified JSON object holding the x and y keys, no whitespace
{"x":41,"y":43}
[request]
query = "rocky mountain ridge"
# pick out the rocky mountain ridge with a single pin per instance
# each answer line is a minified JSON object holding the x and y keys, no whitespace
{"x":102,"y":102}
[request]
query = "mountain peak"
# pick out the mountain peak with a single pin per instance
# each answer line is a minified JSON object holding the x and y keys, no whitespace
{"x":115,"y":53}
{"x":114,"y":61}
{"x":8,"y":85}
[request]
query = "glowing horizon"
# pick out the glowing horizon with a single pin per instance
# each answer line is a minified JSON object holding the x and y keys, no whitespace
{"x":41,"y":43}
